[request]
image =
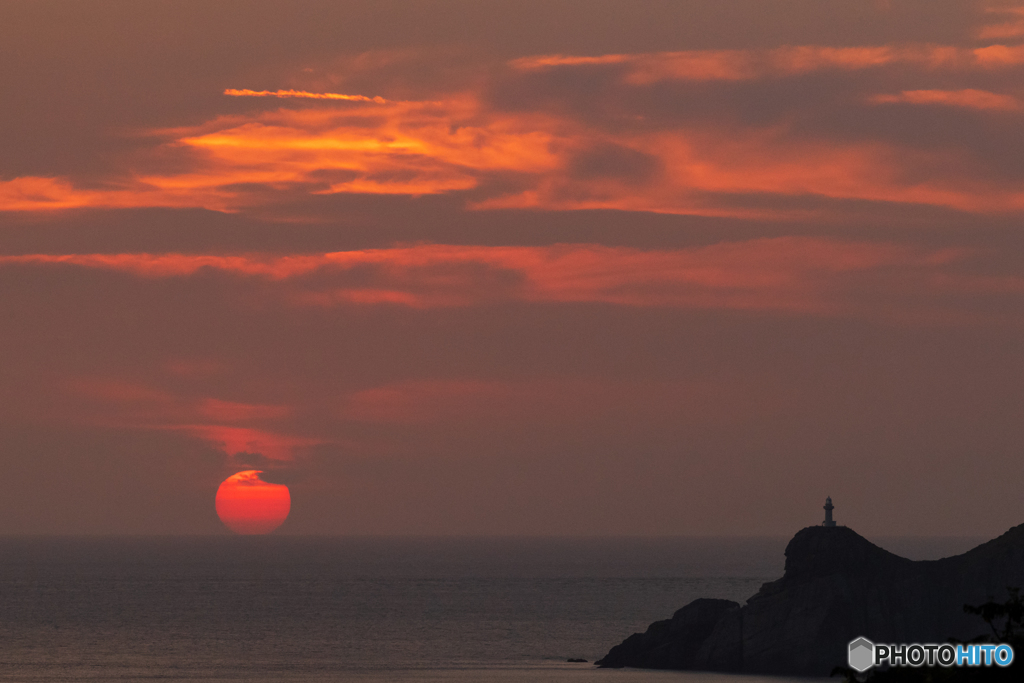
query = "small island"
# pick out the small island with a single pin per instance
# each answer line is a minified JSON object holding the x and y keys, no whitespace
{"x":837,"y":586}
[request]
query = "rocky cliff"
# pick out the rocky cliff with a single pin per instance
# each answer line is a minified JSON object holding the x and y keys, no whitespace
{"x":837,"y":586}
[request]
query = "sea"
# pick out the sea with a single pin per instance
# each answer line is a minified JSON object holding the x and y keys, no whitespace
{"x":367,"y":610}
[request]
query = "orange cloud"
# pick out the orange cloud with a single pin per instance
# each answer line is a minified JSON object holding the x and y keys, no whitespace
{"x":739,"y":65}
{"x":235,"y":440}
{"x":302,"y":94}
{"x":410,"y":148}
{"x":799,"y":274}
{"x":703,"y":166}
{"x":228,"y":425}
{"x":969,"y":99}
{"x":35,"y":193}
{"x":396,"y":148}
{"x":530,"y":159}
{"x":1012,"y":26}
{"x":315,"y":152}
{"x":999,"y":56}
{"x":172,"y":265}
{"x":706,"y":65}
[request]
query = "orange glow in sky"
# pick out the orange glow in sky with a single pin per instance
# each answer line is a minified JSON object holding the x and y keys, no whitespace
{"x":250,"y":506}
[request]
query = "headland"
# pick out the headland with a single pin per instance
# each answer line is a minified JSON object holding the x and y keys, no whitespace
{"x":837,"y":586}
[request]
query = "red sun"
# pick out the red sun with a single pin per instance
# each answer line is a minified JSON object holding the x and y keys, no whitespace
{"x":248,"y":505}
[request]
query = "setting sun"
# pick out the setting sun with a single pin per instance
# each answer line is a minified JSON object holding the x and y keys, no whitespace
{"x":248,"y":505}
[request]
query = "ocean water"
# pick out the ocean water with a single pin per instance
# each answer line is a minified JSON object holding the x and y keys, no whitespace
{"x":282,"y":608}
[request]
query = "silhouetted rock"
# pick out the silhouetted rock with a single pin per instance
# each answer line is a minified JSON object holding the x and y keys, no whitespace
{"x":837,"y":586}
{"x":672,"y":643}
{"x":573,"y":660}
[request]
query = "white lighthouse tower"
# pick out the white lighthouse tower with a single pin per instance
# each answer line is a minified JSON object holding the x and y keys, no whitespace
{"x":828,"y":512}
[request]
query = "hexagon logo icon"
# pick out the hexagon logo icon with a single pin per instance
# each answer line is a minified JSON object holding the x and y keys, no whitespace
{"x":861,"y":655}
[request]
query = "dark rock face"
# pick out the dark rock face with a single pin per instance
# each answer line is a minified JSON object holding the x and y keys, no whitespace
{"x":837,"y":586}
{"x":672,"y":643}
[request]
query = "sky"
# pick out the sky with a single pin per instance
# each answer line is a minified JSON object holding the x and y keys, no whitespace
{"x":515,"y":267}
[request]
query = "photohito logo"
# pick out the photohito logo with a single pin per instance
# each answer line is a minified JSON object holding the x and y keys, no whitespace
{"x":862,"y":654}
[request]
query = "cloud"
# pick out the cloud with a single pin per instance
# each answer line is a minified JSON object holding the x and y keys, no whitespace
{"x":302,"y":94}
{"x":274,"y":156}
{"x":237,"y":440}
{"x":1010,"y":26}
{"x":247,"y":478}
{"x":806,"y":275}
{"x":250,"y":460}
{"x":788,"y":61}
{"x":968,"y":99}
{"x":41,"y":194}
{"x":397,"y":148}
{"x":233,"y":427}
{"x":998,"y":56}
{"x":661,"y":132}
{"x":705,"y":168}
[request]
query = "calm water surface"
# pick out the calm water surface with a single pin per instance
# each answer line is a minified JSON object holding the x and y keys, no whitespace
{"x":370,"y":610}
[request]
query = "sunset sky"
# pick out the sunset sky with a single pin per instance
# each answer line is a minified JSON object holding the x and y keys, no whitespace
{"x":530,"y":267}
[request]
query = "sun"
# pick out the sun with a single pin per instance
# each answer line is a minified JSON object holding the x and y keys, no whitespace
{"x":248,"y":505}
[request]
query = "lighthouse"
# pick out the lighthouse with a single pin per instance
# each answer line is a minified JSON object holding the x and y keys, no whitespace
{"x":828,"y":512}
